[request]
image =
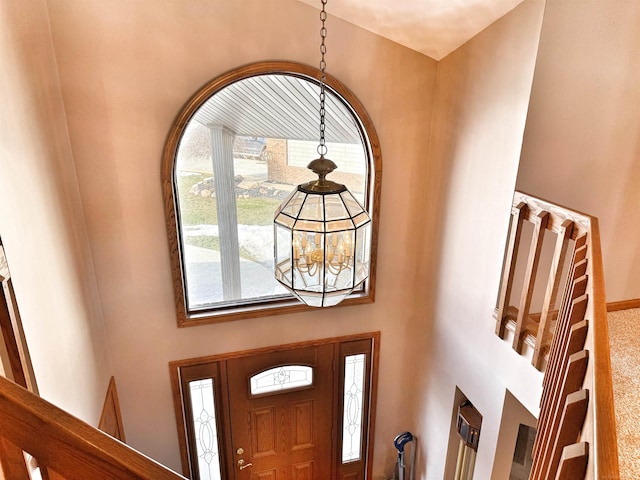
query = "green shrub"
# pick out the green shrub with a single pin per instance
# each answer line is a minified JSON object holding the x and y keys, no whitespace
{"x":198,"y":210}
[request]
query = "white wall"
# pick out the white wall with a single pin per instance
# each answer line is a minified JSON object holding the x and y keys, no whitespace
{"x":582,"y":139}
{"x":480,"y":111}
{"x":41,"y":219}
{"x":126,"y":68}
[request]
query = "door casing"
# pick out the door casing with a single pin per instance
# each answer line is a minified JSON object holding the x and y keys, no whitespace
{"x":183,"y":371}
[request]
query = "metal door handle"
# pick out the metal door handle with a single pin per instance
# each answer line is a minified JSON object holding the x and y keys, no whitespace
{"x":243,"y":465}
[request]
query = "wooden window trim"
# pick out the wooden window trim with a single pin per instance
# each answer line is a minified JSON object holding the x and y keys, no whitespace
{"x":186,"y":318}
{"x":351,"y":468}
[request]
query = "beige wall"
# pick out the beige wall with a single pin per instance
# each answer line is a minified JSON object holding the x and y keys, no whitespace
{"x":126,"y":68}
{"x":513,"y":415}
{"x":41,"y":219}
{"x":479,"y":117}
{"x":582,"y":140}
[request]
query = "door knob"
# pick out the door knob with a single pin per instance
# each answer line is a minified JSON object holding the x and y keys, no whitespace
{"x":243,"y":465}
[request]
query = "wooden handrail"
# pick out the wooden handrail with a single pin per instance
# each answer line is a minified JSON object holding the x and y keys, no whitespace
{"x":576,"y":427}
{"x":67,"y":445}
{"x":599,"y":377}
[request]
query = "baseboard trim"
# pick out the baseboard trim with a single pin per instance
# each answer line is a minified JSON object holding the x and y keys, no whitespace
{"x":623,"y":305}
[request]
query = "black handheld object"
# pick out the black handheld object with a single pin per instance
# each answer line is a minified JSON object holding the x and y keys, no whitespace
{"x":401,"y":440}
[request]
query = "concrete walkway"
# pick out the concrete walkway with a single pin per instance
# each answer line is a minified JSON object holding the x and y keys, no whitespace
{"x":204,"y":277}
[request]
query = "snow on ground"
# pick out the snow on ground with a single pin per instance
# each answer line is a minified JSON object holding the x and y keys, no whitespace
{"x":256,"y":240}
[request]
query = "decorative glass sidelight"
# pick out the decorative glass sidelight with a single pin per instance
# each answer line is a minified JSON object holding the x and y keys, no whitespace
{"x":286,"y":377}
{"x":354,"y":368}
{"x":205,"y":428}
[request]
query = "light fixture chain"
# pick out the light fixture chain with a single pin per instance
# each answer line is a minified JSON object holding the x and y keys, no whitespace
{"x":322,"y":148}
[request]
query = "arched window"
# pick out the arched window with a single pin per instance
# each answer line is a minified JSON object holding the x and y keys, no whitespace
{"x":238,"y":147}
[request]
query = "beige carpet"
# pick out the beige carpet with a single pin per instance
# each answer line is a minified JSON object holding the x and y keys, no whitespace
{"x":624,"y":333}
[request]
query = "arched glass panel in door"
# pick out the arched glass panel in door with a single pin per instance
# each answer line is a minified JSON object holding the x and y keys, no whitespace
{"x":277,"y":379}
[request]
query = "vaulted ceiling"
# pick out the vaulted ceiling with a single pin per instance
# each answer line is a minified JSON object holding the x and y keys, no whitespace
{"x":432,"y":27}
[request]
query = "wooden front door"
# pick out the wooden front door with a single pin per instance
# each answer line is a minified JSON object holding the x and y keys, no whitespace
{"x":291,"y":412}
{"x":281,"y":406}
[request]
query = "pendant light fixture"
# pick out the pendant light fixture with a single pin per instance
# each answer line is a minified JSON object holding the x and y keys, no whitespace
{"x":321,"y":232}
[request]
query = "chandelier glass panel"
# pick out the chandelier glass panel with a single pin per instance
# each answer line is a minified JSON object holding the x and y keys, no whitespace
{"x":322,"y":245}
{"x":322,"y":234}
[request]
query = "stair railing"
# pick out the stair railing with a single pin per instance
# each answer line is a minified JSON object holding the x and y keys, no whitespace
{"x":576,"y":434}
{"x":65,"y":447}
